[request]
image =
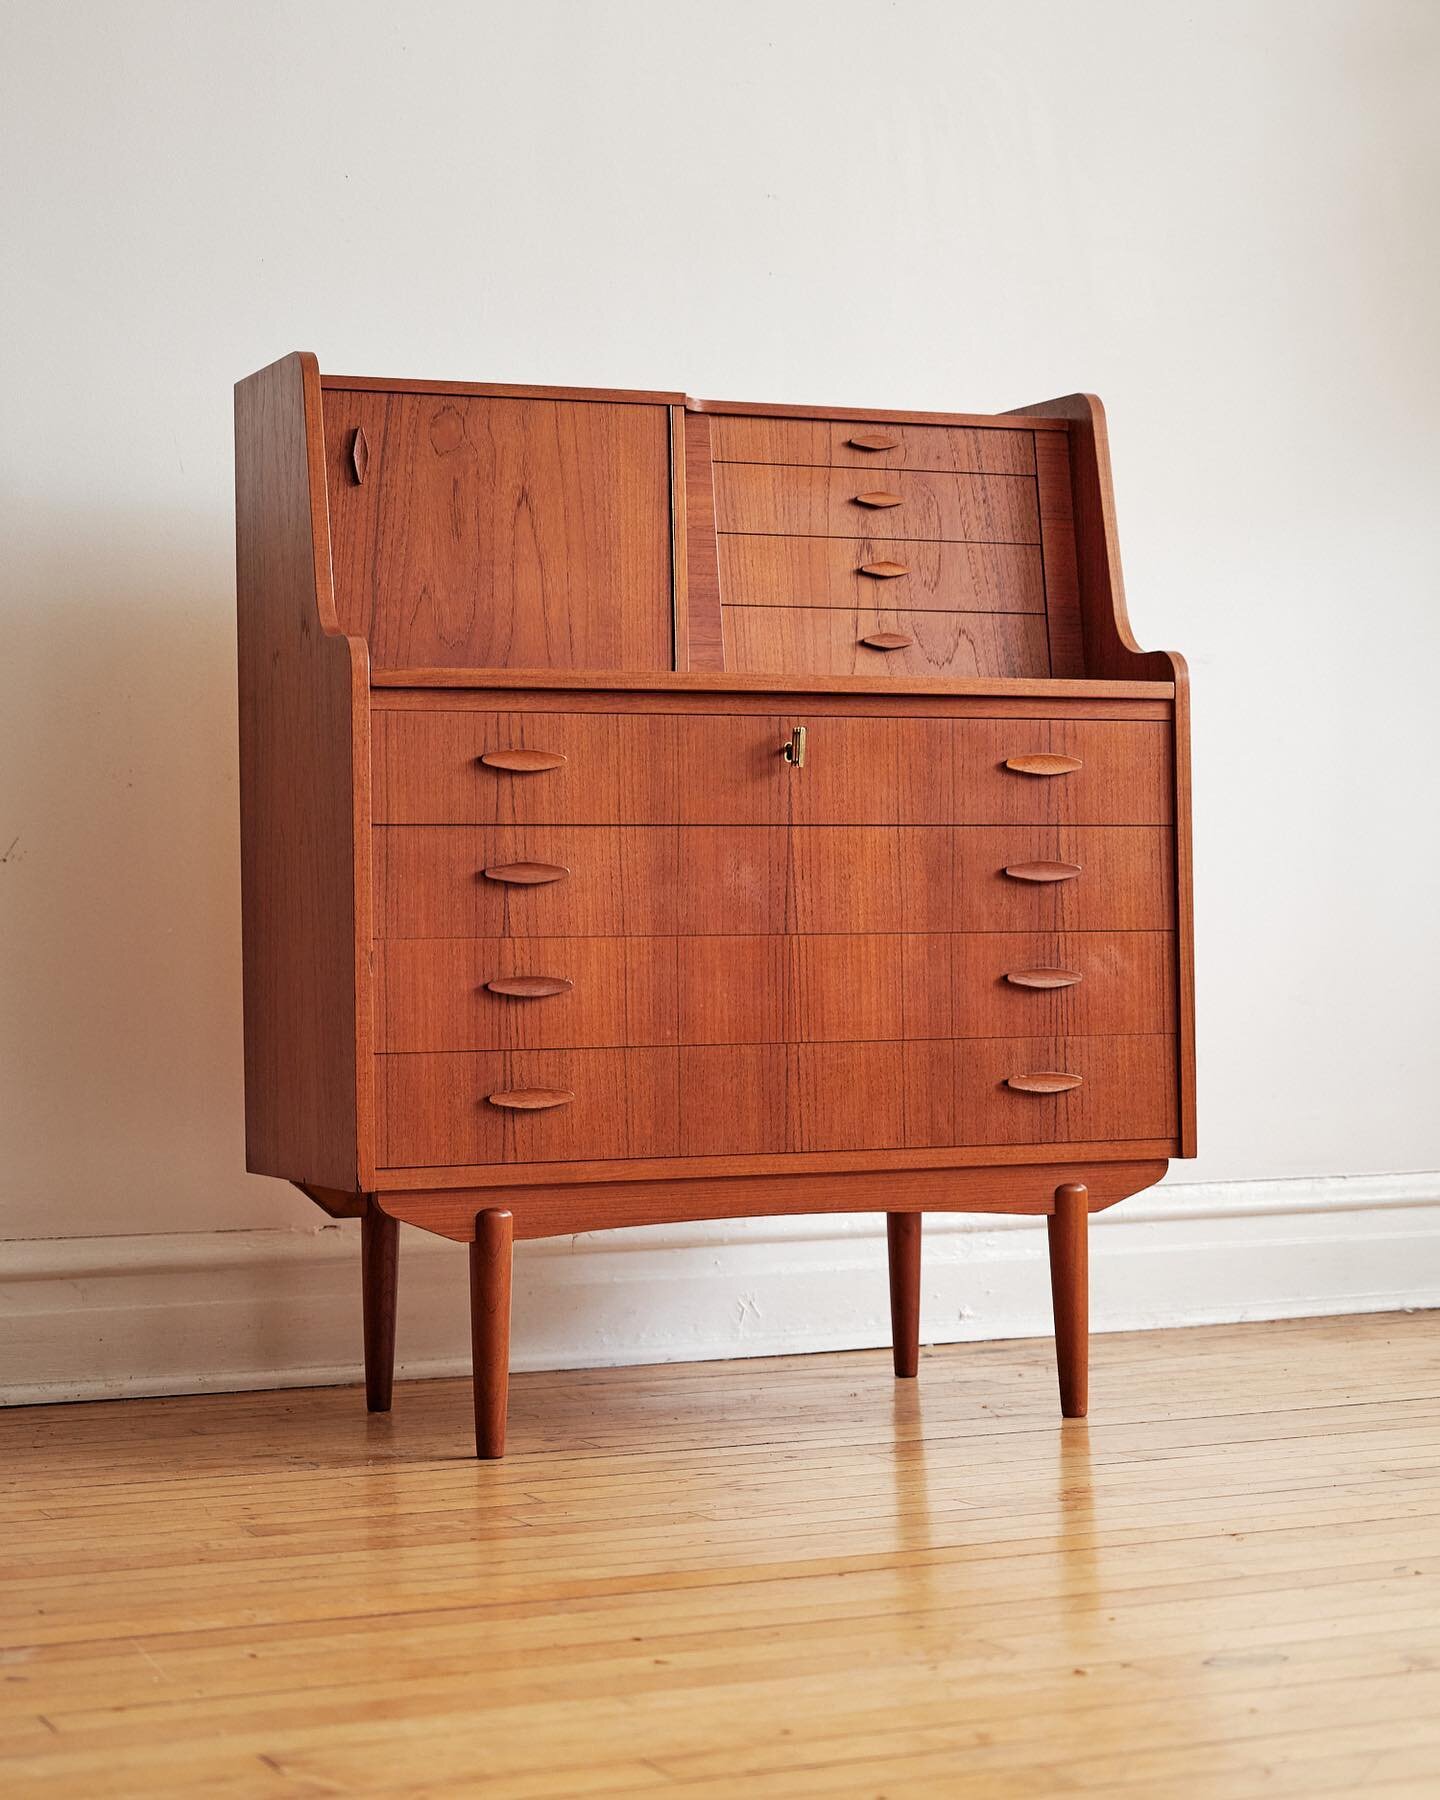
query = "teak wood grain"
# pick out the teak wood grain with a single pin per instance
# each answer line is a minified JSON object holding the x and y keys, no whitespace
{"x":649,"y":1195}
{"x":757,"y":1099}
{"x":863,"y":573}
{"x":803,"y":502}
{"x":563,"y":940}
{"x":700,"y":649}
{"x":1110,"y":649}
{"x":304,"y":801}
{"x":490,"y":994}
{"x":654,"y":881}
{"x":436,"y":767}
{"x":769,"y":639}
{"x":835,"y":443}
{"x":528,"y":532}
{"x":686,"y":689}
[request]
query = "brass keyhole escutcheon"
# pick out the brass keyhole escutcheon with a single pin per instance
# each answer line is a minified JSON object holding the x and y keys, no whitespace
{"x":794,"y":751}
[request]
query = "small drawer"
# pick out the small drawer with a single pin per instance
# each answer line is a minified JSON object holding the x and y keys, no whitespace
{"x":1077,"y":1090}
{"x":866,"y":443}
{"x":866,"y":573}
{"x":526,"y":1106}
{"x":798,"y":502}
{"x":983,"y":772}
{"x":773,"y":640}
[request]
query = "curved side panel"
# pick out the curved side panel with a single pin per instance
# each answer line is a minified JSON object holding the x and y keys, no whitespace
{"x":304,"y":800}
{"x":1111,"y":651}
{"x":558,"y":1211}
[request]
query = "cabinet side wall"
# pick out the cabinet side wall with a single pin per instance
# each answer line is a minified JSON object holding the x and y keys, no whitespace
{"x":304,"y":776}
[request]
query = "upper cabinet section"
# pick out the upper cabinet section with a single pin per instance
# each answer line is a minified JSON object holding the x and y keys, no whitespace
{"x":482,"y":531}
{"x":456,"y":529}
{"x":868,"y":546}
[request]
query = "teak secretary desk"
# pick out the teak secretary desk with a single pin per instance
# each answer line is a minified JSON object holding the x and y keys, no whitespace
{"x":660,"y":809}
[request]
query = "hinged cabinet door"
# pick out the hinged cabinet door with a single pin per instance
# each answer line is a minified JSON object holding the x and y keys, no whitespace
{"x":484,"y":532}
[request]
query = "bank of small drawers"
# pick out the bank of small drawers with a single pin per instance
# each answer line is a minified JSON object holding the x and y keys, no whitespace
{"x":648,"y":936}
{"x":862,"y":547}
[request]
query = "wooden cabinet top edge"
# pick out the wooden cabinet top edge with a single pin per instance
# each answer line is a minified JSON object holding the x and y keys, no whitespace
{"x":717,"y":682}
{"x":765,"y":410}
{"x":503,"y":390}
{"x":498,"y":390}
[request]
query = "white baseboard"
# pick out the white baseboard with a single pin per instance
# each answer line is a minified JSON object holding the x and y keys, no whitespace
{"x":98,"y":1318}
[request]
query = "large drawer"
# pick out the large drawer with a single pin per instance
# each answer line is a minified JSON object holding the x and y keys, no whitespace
{"x":771,"y":640}
{"x":446,"y":994}
{"x":755,"y":1099}
{"x":605,"y":881}
{"x":869,"y":572}
{"x":799,"y":502}
{"x":549,"y":769}
{"x":859,"y":443}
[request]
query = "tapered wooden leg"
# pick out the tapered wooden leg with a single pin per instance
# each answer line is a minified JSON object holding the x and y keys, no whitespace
{"x":902,"y":1232}
{"x":379,"y":1285}
{"x":1070,"y":1289}
{"x":490,"y":1264}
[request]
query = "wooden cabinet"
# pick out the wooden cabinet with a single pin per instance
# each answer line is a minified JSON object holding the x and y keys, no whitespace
{"x":655,"y":809}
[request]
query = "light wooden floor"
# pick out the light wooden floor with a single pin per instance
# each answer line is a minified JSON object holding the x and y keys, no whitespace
{"x":747,"y":1579}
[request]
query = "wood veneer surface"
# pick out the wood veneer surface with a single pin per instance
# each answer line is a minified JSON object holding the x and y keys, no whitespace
{"x":506,"y":531}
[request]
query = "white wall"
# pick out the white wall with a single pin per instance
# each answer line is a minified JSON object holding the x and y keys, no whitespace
{"x":1221,"y":218}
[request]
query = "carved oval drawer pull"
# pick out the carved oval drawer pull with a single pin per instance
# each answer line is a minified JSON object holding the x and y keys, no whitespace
{"x":878,"y":498}
{"x":1044,"y":1081}
{"x":522,"y":762}
{"x":888,"y":640}
{"x":884,"y":571}
{"x":1043,"y":978}
{"x":1043,"y":871}
{"x":530,"y":987}
{"x":528,"y":874}
{"x":872,"y":440}
{"x":532,"y":1099}
{"x":1043,"y":764}
{"x":359,"y":454}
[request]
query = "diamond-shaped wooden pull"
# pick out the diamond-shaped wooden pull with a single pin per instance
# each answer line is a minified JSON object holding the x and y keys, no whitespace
{"x":531,"y":1099}
{"x":359,"y":454}
{"x":888,"y":640}
{"x":873,"y":440}
{"x":879,"y":498}
{"x":884,"y":571}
